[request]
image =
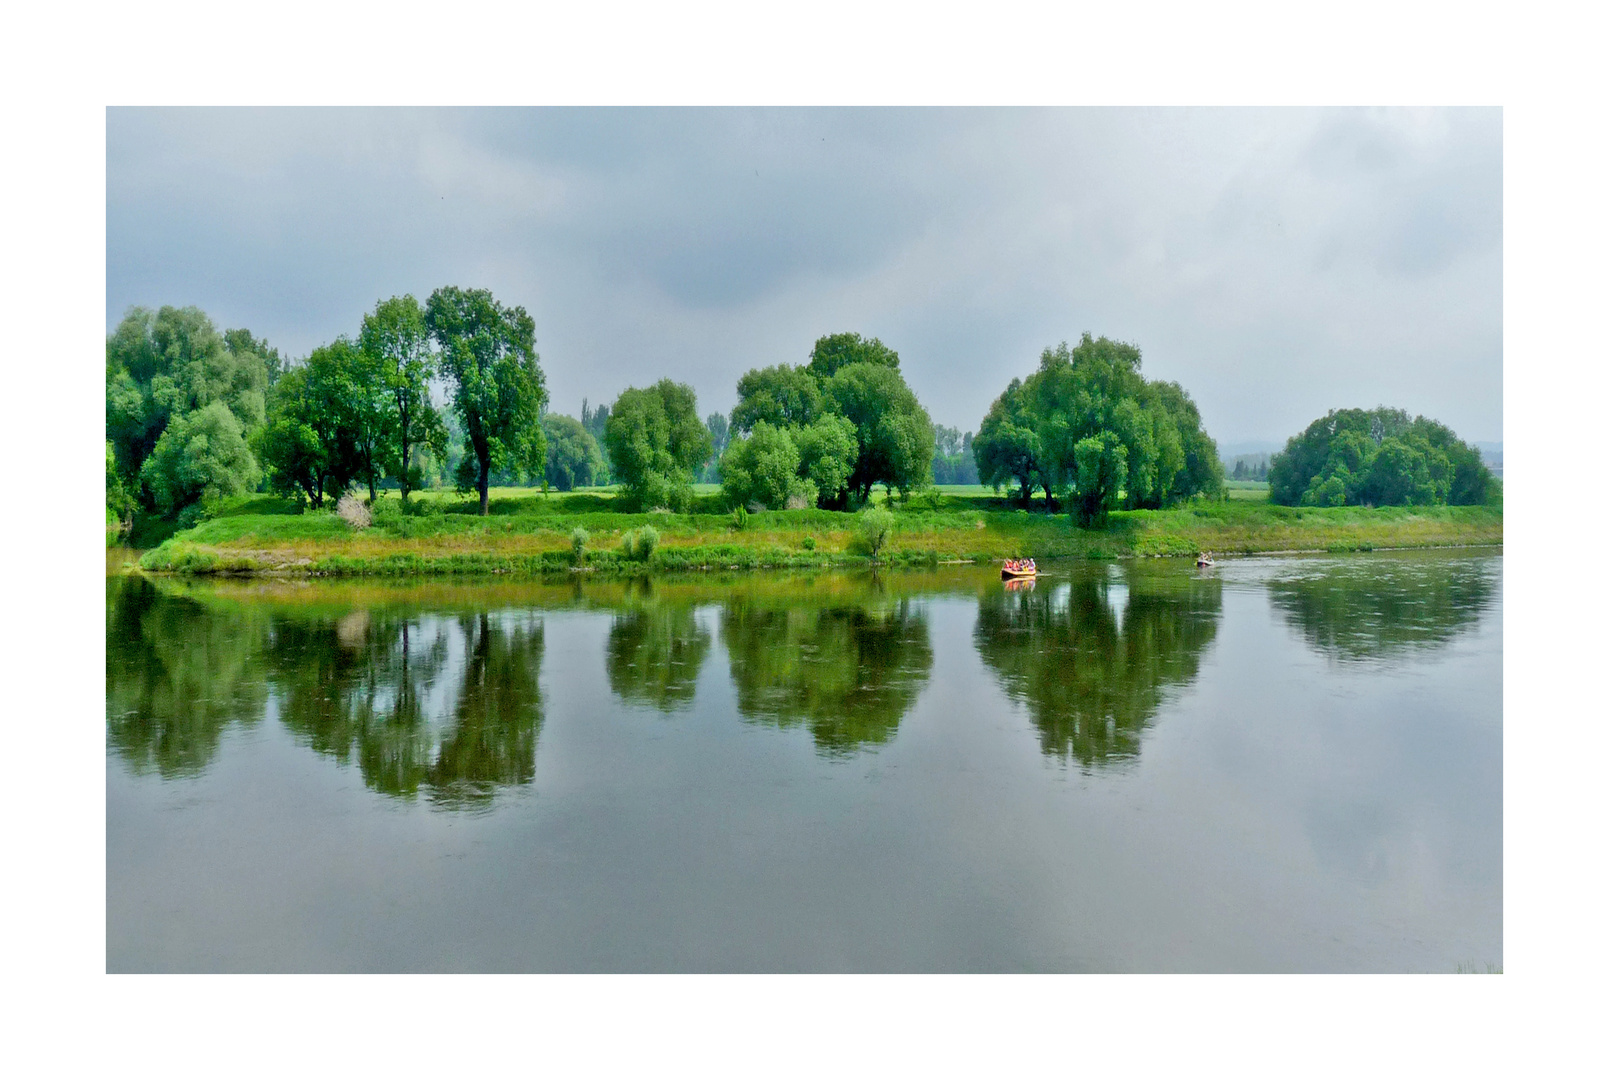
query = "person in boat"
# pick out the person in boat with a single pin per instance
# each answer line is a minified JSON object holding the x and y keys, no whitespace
{"x":1032,"y":569}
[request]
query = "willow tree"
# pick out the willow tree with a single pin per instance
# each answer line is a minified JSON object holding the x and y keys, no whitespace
{"x":488,"y":354}
{"x":1090,"y":429}
{"x":656,"y":441}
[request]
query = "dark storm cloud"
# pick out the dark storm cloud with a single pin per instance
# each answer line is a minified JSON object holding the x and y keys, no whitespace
{"x":1275,"y":262}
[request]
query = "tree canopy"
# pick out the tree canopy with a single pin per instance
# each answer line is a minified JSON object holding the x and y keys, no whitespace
{"x":849,"y":415}
{"x":573,"y":457}
{"x":327,"y":425}
{"x":656,"y":441}
{"x":782,"y":396}
{"x":397,"y":342}
{"x":487,"y":352}
{"x":1089,"y":428}
{"x":836,"y":351}
{"x":201,"y":456}
{"x":1378,"y":457}
{"x":173,"y":363}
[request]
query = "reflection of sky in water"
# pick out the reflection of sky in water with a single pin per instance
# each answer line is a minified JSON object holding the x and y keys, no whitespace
{"x":1281,"y":811}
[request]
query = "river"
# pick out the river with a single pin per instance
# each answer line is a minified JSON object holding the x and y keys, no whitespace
{"x":1276,"y":764}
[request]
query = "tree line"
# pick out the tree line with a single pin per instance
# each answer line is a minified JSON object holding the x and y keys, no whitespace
{"x":194,"y":414}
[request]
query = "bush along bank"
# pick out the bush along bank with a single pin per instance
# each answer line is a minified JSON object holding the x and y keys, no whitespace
{"x":599,"y":542}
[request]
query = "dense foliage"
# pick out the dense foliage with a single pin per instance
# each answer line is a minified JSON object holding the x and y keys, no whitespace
{"x":596,"y":421}
{"x":172,"y":364}
{"x":356,"y":411}
{"x":836,"y":426}
{"x":1087,"y":427}
{"x":487,"y":354}
{"x":573,"y":457}
{"x":656,"y":441}
{"x":1378,"y":457}
{"x":201,"y":456}
{"x":396,"y":340}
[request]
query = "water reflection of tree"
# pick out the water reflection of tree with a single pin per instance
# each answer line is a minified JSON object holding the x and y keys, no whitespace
{"x":654,"y":655}
{"x":847,"y":671}
{"x":177,"y":674}
{"x":366,"y":684}
{"x":1374,"y":607}
{"x":1092,"y":680}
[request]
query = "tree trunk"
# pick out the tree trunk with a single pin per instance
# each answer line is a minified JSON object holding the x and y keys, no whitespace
{"x":483,"y":485}
{"x":402,"y":480}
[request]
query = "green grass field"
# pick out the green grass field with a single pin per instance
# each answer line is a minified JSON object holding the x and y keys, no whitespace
{"x":528,"y":532}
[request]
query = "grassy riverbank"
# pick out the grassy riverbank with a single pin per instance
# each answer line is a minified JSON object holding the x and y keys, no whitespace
{"x":528,"y":533}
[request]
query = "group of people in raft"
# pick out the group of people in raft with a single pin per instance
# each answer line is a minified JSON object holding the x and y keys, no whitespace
{"x":1021,"y":566}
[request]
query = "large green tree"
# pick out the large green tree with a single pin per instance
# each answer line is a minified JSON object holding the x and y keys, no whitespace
{"x":329,"y":424}
{"x":488,"y":354}
{"x":1089,"y":428}
{"x":174,"y":362}
{"x":202,"y":456}
{"x":297,"y":446}
{"x":352,"y":383}
{"x":763,"y":469}
{"x":893,"y":434}
{"x":848,"y":413}
{"x":656,"y":441}
{"x":1378,"y":457}
{"x":396,"y":340}
{"x":1007,"y":447}
{"x":573,"y":457}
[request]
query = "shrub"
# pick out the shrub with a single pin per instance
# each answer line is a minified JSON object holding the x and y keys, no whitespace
{"x":638,"y":545}
{"x":353,"y":512}
{"x":740,"y":518}
{"x":808,"y":543}
{"x":385,"y":512}
{"x":578,"y":542}
{"x":876,"y":525}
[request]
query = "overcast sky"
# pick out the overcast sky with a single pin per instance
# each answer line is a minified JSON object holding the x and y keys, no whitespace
{"x":1277,"y":263}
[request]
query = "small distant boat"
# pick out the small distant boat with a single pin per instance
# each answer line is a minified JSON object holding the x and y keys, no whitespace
{"x":1018,"y":573}
{"x":1205,"y":559}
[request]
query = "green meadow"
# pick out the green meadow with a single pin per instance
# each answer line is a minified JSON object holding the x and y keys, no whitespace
{"x":528,"y":532}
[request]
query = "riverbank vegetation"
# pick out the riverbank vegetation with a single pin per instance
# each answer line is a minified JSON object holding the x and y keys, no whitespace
{"x":529,"y":533}
{"x":221,"y":456}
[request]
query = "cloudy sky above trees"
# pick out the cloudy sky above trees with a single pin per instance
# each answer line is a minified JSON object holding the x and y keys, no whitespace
{"x":1276,"y":262}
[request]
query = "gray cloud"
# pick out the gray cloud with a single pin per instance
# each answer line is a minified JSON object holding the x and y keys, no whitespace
{"x":1277,"y":263}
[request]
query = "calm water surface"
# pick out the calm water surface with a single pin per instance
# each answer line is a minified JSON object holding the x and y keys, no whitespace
{"x":1280,"y":764}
